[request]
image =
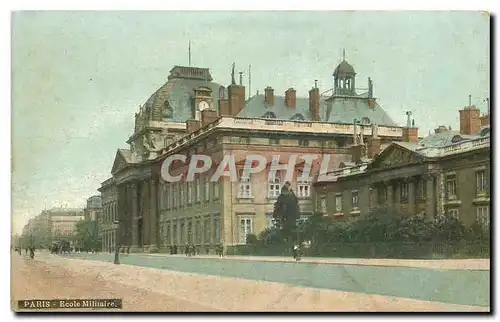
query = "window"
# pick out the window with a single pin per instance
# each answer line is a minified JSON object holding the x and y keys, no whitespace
{"x":382,"y":195}
{"x":338,"y":203}
{"x":322,"y":204}
{"x":454,"y":213}
{"x":480,"y":182}
{"x":303,"y":142}
{"x":166,"y":195}
{"x":483,"y":215}
{"x":451,"y":187}
{"x":174,"y":196}
{"x":181,"y":197}
{"x":215,"y":190}
{"x":197,"y":189}
{"x":217,"y":230}
{"x":183,"y":233}
{"x":206,"y":231}
{"x":207,"y":188}
{"x":189,"y":192}
{"x":198,"y":231}
{"x":273,"y":141}
{"x":422,"y":189}
{"x":245,"y":229}
{"x":403,"y":192}
{"x":355,"y":199}
{"x":274,"y":185}
{"x":174,"y":234}
{"x":245,"y":186}
{"x":303,"y":187}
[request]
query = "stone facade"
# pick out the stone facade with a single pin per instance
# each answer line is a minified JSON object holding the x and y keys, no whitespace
{"x":109,"y":215}
{"x":450,"y":177}
{"x":154,"y":215}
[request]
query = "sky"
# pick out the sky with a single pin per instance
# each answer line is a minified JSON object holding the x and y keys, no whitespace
{"x":79,"y":77}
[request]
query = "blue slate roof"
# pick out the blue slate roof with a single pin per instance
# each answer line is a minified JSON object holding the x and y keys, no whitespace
{"x":339,"y":110}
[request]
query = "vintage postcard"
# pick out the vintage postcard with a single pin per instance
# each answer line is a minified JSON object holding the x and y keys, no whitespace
{"x":321,"y":161}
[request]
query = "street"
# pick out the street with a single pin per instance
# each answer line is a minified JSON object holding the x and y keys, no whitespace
{"x":144,"y":287}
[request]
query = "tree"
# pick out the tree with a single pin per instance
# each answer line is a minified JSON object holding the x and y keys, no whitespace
{"x":87,"y":234}
{"x":287,"y":212}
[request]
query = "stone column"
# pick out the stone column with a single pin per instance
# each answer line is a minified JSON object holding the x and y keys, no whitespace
{"x":440,"y":192}
{"x":135,"y":218}
{"x":430,"y":198}
{"x":153,"y":245}
{"x":411,"y":196}
{"x":390,"y":198}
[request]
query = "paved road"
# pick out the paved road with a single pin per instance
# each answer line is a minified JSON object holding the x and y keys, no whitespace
{"x":466,"y":287}
{"x":34,"y":279}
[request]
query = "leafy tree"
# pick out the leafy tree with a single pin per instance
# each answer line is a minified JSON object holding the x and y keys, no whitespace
{"x":87,"y":234}
{"x":287,"y":212}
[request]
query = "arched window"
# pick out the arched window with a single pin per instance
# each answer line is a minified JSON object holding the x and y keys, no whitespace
{"x":269,"y":115}
{"x":298,"y":117}
{"x":456,"y":138}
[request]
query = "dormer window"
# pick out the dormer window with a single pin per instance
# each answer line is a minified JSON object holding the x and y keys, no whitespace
{"x":298,"y":117}
{"x":269,"y":115}
{"x":365,"y":120}
{"x":457,"y":138}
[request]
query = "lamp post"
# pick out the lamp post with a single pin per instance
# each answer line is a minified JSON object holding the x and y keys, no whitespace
{"x":116,"y":225}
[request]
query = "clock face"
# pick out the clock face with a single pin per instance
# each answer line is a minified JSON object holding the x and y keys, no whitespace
{"x":203,"y":106}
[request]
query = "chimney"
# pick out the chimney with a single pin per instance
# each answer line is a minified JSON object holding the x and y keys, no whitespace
{"x":314,"y":102}
{"x":373,"y":143}
{"x":357,"y":152}
{"x":236,"y":98}
{"x":269,"y":96}
{"x":470,"y":122}
{"x":290,"y":98}
{"x":208,"y":116}
{"x":410,"y":132}
{"x":485,"y":119}
{"x":192,"y":126}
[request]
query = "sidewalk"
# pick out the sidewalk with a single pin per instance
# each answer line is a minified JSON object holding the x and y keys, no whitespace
{"x":230,"y":294}
{"x":461,"y":264}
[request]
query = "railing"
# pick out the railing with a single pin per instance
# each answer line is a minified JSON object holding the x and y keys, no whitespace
{"x":456,"y":147}
{"x":285,"y":125}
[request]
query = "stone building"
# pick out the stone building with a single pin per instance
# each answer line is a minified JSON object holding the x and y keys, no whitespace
{"x":109,"y":214}
{"x":446,"y":173}
{"x":93,"y":209}
{"x":52,"y":225}
{"x":191,"y":115}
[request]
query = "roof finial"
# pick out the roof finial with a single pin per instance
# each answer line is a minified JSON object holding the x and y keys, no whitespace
{"x":315,"y":83}
{"x":470,"y":100}
{"x":189,"y":49}
{"x":343,"y":54}
{"x":241,"y":78}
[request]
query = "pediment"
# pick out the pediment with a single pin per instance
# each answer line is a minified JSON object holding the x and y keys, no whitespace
{"x":394,"y":156}
{"x":119,"y":163}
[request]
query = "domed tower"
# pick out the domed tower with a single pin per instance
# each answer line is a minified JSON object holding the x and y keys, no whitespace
{"x":344,"y":78}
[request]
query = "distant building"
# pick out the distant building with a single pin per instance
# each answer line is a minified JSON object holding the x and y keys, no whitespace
{"x":190,"y":115}
{"x":63,"y":222}
{"x":93,"y":209}
{"x":51,"y":225}
{"x":446,"y":173}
